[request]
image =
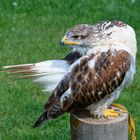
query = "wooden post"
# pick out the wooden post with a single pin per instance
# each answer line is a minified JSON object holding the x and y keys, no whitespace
{"x":84,"y":127}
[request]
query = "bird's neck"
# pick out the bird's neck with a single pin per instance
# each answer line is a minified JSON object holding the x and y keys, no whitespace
{"x":82,"y":50}
{"x":116,"y":39}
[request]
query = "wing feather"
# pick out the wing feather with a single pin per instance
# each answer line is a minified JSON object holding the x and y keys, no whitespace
{"x":102,"y":79}
{"x":46,"y":73}
{"x":90,"y":80}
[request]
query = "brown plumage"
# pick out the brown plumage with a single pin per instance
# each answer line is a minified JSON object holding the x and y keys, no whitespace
{"x":94,"y":81}
{"x":88,"y":85}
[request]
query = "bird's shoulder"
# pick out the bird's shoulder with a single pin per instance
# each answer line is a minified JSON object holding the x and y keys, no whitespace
{"x":96,"y":75}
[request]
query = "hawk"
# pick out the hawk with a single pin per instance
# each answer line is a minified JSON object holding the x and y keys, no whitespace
{"x":91,"y":77}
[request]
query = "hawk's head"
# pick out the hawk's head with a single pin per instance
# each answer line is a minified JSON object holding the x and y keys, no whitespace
{"x":106,"y":34}
{"x":79,"y":35}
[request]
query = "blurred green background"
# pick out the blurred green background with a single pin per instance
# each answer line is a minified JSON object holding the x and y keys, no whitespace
{"x":29,"y":32}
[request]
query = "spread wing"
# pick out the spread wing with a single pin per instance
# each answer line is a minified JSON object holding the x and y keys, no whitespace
{"x":46,"y":73}
{"x":90,"y":79}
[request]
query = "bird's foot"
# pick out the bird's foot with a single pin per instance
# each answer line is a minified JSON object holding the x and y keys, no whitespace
{"x":111,"y":113}
{"x":105,"y":112}
{"x":115,"y":110}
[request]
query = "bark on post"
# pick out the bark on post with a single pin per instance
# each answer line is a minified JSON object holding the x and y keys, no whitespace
{"x":84,"y":127}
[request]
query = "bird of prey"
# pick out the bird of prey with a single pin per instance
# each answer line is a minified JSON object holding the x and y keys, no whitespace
{"x":91,"y":77}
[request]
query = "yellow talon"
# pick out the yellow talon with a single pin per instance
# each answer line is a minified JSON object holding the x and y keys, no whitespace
{"x":110,"y":113}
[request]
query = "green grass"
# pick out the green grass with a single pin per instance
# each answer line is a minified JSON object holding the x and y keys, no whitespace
{"x":29,"y":32}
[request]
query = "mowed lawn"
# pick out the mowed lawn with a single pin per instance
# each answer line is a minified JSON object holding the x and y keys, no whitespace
{"x":30,"y":31}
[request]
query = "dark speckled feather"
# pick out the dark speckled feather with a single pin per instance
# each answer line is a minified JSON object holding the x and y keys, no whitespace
{"x":88,"y":85}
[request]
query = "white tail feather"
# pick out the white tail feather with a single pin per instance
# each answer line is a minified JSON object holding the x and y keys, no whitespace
{"x":47,"y":73}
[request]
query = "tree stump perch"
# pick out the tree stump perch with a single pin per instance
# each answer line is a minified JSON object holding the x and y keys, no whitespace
{"x":84,"y":127}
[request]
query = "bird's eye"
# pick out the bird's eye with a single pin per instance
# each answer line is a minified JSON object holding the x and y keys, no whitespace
{"x":78,"y":36}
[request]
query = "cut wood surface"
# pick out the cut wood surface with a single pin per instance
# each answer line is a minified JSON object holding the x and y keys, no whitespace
{"x":85,"y":127}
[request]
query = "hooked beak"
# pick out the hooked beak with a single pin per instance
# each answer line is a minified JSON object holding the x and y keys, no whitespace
{"x":65,"y":41}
